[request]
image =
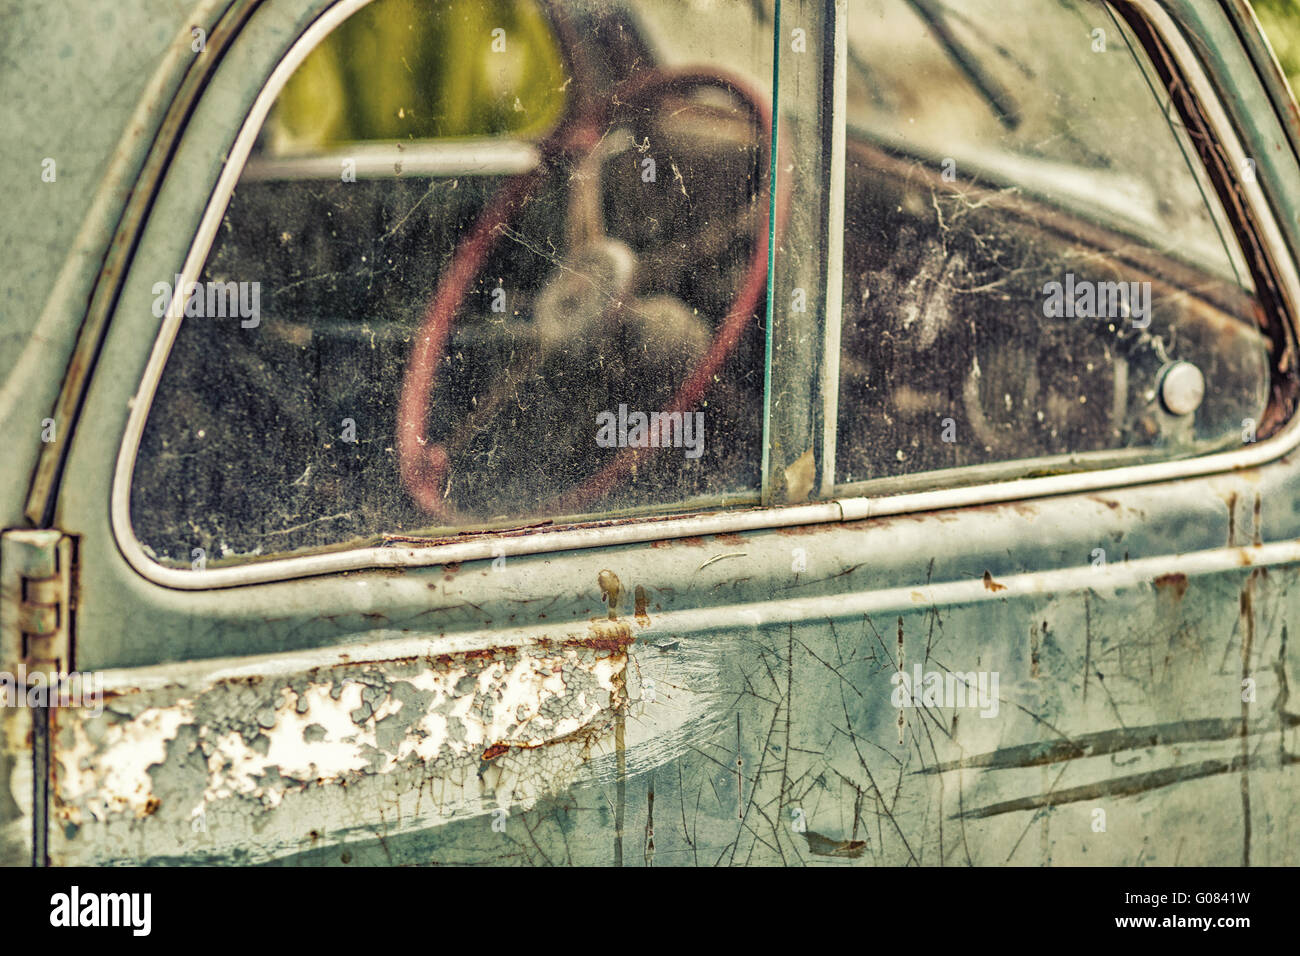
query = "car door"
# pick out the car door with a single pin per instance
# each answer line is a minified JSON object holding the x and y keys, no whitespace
{"x":980,"y":549}
{"x":524,"y":691}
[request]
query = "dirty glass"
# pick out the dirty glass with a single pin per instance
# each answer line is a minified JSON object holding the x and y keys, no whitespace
{"x":1037,"y":275}
{"x":490,"y":263}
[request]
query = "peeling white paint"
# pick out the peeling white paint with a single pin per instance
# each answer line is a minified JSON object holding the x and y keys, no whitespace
{"x":100,"y":780}
{"x":113,"y":776}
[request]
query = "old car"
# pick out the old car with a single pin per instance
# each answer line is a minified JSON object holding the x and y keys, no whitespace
{"x":648,"y":432}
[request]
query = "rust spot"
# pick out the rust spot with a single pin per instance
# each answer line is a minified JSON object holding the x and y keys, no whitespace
{"x":1112,"y":505}
{"x":582,"y":734}
{"x":642,"y":605}
{"x":611,"y":591}
{"x":614,"y":644}
{"x":151,"y":806}
{"x":604,"y":636}
{"x":693,"y":542}
{"x":729,"y":538}
{"x":482,"y":654}
{"x":1176,"y":582}
{"x":823,"y":846}
{"x":496,"y":750}
{"x":805,"y":529}
{"x":661,"y":544}
{"x":991,"y":585}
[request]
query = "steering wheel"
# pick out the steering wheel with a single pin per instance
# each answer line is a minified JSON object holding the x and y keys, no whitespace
{"x":598,"y":270}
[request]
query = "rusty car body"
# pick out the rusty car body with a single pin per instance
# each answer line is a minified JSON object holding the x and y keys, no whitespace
{"x":838,"y":637}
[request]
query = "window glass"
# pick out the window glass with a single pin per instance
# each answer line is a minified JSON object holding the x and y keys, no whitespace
{"x":489,"y":263}
{"x":1037,"y":275}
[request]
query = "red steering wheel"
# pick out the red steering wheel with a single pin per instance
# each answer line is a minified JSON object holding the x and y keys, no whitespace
{"x":424,"y":466}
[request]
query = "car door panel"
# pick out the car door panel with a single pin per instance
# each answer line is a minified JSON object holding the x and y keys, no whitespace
{"x":716,"y":697}
{"x":1098,"y":665}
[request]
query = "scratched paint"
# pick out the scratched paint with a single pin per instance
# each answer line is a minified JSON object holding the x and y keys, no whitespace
{"x":747,"y":739}
{"x":763,"y":743}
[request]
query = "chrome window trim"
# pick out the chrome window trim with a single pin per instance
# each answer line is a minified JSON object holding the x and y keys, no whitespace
{"x":651,"y":528}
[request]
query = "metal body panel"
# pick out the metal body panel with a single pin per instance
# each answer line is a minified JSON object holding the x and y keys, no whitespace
{"x":757,"y":740}
{"x":729,"y":695}
{"x":57,"y":233}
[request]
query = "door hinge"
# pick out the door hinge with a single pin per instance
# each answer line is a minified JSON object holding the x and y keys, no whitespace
{"x":37,"y":604}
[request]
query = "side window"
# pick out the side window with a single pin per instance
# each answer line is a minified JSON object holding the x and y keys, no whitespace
{"x":489,"y":263}
{"x":1037,"y":276}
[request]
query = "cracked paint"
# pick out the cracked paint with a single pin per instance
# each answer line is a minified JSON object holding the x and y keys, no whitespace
{"x":483,"y":719}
